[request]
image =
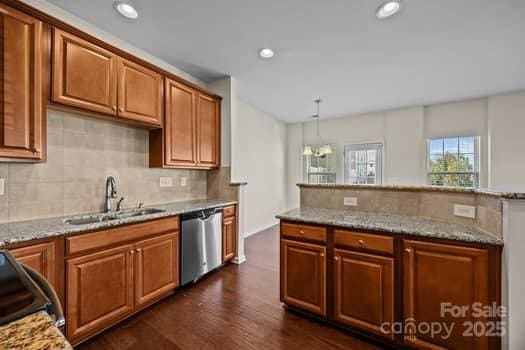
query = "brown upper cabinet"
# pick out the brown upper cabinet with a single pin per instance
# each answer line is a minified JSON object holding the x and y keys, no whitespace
{"x":22,"y":59}
{"x":208,"y":131}
{"x":140,"y":93}
{"x":90,"y":77}
{"x":84,"y":75}
{"x":191,"y":135}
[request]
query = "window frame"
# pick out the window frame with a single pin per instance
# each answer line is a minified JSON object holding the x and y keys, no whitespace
{"x":378,"y":146}
{"x":306,"y":167}
{"x":477,"y":160}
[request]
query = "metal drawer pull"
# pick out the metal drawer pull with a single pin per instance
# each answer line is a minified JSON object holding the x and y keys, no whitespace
{"x":322,"y":255}
{"x":139,"y":250}
{"x":408,"y":250}
{"x":336,"y":258}
{"x":361,"y":242}
{"x":301,"y":232}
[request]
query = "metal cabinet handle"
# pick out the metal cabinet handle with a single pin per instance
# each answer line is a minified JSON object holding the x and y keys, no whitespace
{"x":408,"y":250}
{"x":139,"y":250}
{"x":121,"y":109}
{"x":301,"y":232}
{"x":336,"y":258}
{"x":322,"y":255}
{"x":131,"y":252}
{"x":361,"y":242}
{"x":114,"y":108}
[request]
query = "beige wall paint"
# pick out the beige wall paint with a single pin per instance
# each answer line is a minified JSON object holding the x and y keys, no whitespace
{"x":506,"y":130}
{"x":82,"y":152}
{"x":260,"y":159}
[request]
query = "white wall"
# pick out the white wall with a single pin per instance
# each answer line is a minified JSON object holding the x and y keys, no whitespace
{"x":498,"y":120}
{"x":507,"y":142}
{"x":260,"y":160}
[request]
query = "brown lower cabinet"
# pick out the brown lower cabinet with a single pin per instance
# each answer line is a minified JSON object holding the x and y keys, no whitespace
{"x":303,"y":276}
{"x":435,"y":273}
{"x":108,"y":281}
{"x":376,"y":280}
{"x":363,"y":290}
{"x":229,"y":233}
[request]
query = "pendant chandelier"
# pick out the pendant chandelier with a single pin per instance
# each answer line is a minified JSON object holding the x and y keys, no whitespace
{"x":318,"y":150}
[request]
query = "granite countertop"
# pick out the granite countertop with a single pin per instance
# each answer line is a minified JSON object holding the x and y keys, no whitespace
{"x":22,"y":231}
{"x":381,"y":222}
{"x":33,"y":332}
{"x":420,"y":188}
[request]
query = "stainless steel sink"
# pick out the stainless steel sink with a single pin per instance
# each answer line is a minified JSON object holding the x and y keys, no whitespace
{"x":138,"y":212}
{"x":103,"y":217}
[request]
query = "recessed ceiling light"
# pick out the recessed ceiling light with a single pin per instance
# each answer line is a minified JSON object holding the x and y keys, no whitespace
{"x":126,"y":10}
{"x":387,"y":9}
{"x":266,"y":53}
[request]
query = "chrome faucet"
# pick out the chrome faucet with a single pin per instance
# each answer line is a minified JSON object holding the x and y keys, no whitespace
{"x":111,"y":192}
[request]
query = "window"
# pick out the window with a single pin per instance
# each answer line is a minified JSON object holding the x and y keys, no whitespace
{"x":453,"y":161}
{"x":321,"y":170}
{"x":364,"y":164}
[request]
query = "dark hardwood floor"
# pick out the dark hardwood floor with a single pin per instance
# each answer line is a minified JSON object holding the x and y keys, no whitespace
{"x":236,"y":307}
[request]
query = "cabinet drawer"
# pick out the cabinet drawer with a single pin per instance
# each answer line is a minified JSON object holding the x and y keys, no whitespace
{"x":364,"y":240}
{"x":303,"y":231}
{"x":119,"y":235}
{"x":228,"y":211}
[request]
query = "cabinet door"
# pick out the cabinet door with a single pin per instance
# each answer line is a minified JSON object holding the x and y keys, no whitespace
{"x":208,"y":131}
{"x":22,"y":119}
{"x":139,"y":93}
{"x":363,"y":290}
{"x":179,"y":128}
{"x":229,"y":234}
{"x":156,"y":268}
{"x":303,"y":276}
{"x":84,"y":75}
{"x":436,"y":274}
{"x":99,"y":290}
{"x":42,"y":258}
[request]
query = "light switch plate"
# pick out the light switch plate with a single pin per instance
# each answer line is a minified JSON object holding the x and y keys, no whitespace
{"x":2,"y":183}
{"x":166,"y":182}
{"x":183,"y":181}
{"x":350,"y":201}
{"x":466,"y":211}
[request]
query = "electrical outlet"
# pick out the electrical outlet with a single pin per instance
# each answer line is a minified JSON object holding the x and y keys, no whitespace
{"x":350,"y":201}
{"x":183,"y":181}
{"x":2,"y":183}
{"x":465,"y":211}
{"x":166,"y":182}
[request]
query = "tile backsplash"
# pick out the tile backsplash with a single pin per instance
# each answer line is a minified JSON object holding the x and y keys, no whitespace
{"x":82,"y":152}
{"x":427,"y":204}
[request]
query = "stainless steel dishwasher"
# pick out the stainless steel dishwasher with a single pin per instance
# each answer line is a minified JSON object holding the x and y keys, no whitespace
{"x":201,"y":243}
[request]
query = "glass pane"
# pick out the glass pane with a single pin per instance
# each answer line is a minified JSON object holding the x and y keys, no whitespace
{"x":361,"y":156}
{"x":451,"y":145}
{"x":466,"y":162}
{"x":466,"y":144}
{"x":435,"y":163}
{"x":450,"y":162}
{"x":371,"y":155}
{"x":436,"y":146}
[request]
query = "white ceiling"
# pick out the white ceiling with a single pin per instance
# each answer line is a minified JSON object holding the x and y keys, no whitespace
{"x":434,"y":51}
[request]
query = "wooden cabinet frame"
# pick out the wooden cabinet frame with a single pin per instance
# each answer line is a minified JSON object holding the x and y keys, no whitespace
{"x":487,"y":257}
{"x":23,"y":94}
